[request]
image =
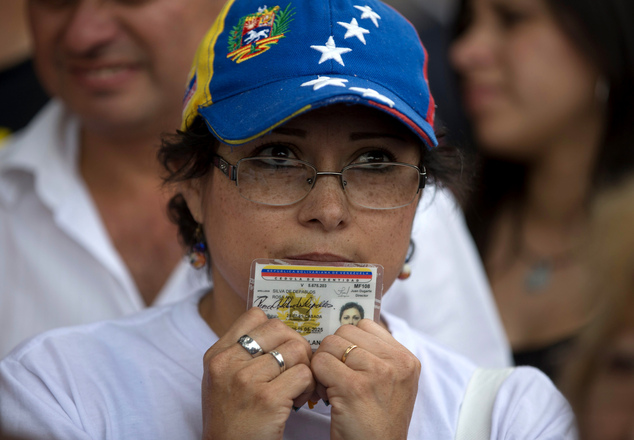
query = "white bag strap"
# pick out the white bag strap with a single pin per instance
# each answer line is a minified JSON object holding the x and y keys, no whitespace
{"x":474,"y":421}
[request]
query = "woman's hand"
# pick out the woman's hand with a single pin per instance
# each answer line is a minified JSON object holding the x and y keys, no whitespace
{"x":247,"y":397}
{"x":373,"y":393}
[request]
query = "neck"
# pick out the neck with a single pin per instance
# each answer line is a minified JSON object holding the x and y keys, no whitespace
{"x":555,"y":208}
{"x":120,"y":163}
{"x":15,"y":42}
{"x":558,"y":185}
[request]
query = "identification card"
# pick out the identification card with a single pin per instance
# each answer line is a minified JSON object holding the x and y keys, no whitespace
{"x":315,"y":300}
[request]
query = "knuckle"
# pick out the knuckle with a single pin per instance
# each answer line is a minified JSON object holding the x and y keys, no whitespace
{"x":297,"y":351}
{"x":318,"y":360}
{"x":216,"y":363}
{"x":409,"y":363}
{"x":385,"y":369}
{"x":243,"y":377}
{"x":275,"y":325}
{"x":330,"y":339}
{"x":304,"y":373}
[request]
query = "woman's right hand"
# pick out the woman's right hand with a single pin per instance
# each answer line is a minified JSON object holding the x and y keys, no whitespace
{"x":245,"y":397}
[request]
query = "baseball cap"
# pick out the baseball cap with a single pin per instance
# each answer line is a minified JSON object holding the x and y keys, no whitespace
{"x":262,"y":64}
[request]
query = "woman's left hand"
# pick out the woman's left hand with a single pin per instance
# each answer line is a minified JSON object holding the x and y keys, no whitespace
{"x":373,"y":392}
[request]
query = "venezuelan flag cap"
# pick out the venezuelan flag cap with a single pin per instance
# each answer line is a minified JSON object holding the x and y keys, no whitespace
{"x":263,"y":64}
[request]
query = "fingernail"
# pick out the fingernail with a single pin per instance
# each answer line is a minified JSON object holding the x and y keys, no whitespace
{"x":296,"y":408}
{"x":327,"y":403}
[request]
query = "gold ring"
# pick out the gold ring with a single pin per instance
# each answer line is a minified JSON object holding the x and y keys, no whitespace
{"x":347,"y":352}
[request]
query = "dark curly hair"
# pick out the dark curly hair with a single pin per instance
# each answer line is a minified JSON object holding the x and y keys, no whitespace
{"x":188,"y":155}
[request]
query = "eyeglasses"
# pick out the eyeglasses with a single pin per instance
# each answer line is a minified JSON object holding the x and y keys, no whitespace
{"x":280,"y":181}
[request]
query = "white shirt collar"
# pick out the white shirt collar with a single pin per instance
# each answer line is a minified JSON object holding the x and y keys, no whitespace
{"x":45,"y":153}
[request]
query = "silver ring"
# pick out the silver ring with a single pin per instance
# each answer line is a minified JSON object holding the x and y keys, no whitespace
{"x":252,"y":347}
{"x":280,"y":360}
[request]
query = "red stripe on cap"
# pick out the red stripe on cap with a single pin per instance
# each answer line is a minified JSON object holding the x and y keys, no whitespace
{"x":406,"y":120}
{"x":431,"y":110}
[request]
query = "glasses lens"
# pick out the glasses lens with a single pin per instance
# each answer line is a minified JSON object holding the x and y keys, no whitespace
{"x":274,"y":181}
{"x":381,"y":185}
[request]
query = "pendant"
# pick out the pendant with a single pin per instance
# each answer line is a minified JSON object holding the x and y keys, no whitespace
{"x":538,"y":276}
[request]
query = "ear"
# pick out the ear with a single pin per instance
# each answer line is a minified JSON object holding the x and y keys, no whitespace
{"x":192,"y":191}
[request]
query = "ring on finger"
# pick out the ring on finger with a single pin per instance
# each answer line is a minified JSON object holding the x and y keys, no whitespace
{"x":252,"y":347}
{"x":280,"y":360}
{"x":347,"y":352}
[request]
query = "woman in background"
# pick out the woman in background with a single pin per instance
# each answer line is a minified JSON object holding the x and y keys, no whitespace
{"x":548,"y":86}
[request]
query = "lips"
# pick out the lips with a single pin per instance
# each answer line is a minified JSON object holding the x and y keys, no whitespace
{"x":103,"y":77}
{"x":478,"y":98}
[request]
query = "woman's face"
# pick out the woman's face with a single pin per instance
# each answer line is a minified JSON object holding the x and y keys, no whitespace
{"x":350,"y":316}
{"x":525,"y":84}
{"x":324,"y":226}
{"x":610,"y":405}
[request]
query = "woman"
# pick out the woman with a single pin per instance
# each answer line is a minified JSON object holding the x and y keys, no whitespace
{"x":548,"y":85}
{"x":600,"y":377}
{"x":350,"y":313}
{"x":300,"y":141}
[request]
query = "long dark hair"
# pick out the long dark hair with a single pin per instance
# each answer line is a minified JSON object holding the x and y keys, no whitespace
{"x":188,"y":155}
{"x":604,"y":31}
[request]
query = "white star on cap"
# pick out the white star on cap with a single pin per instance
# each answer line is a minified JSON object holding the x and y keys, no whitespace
{"x":370,"y":93}
{"x":354,"y":30}
{"x":323,"y":81}
{"x":369,"y":13}
{"x":331,"y":52}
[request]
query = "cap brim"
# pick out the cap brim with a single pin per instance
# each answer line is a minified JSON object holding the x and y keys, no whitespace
{"x":251,"y":114}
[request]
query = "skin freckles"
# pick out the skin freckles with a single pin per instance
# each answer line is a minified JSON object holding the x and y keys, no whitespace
{"x":324,"y":225}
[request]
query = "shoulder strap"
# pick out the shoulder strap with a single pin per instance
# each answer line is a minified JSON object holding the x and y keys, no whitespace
{"x":474,"y":422}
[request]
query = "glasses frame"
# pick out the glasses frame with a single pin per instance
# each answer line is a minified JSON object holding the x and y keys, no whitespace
{"x":231,"y":171}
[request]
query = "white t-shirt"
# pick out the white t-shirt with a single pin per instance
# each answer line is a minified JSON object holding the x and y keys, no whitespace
{"x":58,"y":266}
{"x":448,"y":295}
{"x":139,"y":378}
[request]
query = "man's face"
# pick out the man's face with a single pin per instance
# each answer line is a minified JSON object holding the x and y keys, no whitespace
{"x":119,"y":64}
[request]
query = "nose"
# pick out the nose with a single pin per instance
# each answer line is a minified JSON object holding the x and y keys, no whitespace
{"x":91,"y":26}
{"x":326,"y":206}
{"x":474,"y":48}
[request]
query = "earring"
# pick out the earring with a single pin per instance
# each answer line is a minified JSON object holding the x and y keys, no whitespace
{"x":406,"y":271}
{"x":197,"y":253}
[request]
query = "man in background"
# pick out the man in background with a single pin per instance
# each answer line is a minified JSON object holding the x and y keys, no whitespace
{"x":83,"y":223}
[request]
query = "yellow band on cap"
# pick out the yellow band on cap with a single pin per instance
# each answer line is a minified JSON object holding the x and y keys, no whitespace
{"x":203,"y":68}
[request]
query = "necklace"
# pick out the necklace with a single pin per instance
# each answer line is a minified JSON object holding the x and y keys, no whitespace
{"x":541,"y":268}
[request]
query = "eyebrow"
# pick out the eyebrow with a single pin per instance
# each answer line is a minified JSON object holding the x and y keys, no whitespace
{"x":290,"y":132}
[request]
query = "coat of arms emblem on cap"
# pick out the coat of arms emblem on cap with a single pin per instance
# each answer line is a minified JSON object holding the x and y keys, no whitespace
{"x":256,"y":33}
